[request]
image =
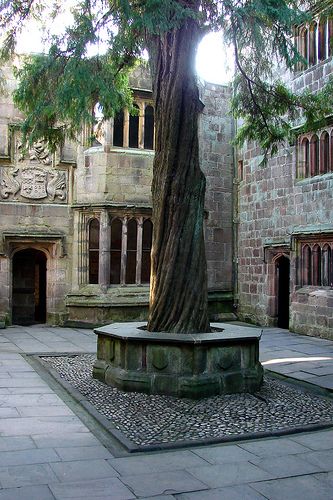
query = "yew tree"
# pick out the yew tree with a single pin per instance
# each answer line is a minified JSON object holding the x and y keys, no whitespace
{"x":58,"y":91}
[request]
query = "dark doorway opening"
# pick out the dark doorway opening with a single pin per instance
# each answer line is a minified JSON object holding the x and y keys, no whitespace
{"x":283,"y":280}
{"x":29,"y":287}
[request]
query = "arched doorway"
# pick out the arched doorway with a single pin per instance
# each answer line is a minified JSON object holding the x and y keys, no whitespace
{"x":283,"y":280}
{"x":29,"y":287}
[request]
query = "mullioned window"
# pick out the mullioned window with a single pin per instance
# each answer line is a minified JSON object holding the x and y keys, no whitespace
{"x":137,"y":130}
{"x":316,"y":262}
{"x":130,"y":248}
{"x":314,"y":42}
{"x":315,"y":153}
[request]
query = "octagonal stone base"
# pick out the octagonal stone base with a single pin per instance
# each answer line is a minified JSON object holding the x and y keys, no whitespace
{"x":183,"y":365}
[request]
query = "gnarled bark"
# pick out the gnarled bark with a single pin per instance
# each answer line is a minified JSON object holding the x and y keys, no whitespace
{"x":178,"y":297}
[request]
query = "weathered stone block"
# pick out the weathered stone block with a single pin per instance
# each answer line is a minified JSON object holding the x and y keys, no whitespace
{"x":192,"y":365}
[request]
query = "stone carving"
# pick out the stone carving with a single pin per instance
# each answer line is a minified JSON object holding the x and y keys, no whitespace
{"x":159,"y":359}
{"x":9,"y":184}
{"x":99,"y":131}
{"x":56,"y":186}
{"x":226,"y":357}
{"x":225,"y":362}
{"x":37,"y":152}
{"x":34,"y":183}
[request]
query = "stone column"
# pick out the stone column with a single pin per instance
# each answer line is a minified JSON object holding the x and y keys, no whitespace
{"x":126,"y":128}
{"x":104,"y":249}
{"x":108,"y":135}
{"x":141,"y":124}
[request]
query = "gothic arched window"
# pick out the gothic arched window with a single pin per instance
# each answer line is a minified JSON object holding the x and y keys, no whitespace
{"x":116,"y":239}
{"x":322,"y":34}
{"x":304,"y":158}
{"x":326,"y":265}
{"x":304,"y":47}
{"x":132,"y":236}
{"x":330,"y":37}
{"x":147,"y":235}
{"x":324,"y":152}
{"x":313,"y":44}
{"x":316,"y":265}
{"x":306,"y":265}
{"x":314,"y":155}
{"x":93,"y":250}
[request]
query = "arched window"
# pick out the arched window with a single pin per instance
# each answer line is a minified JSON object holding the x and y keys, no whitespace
{"x":314,"y":155}
{"x":118,"y":129}
{"x":116,"y":237}
{"x":322,"y":34}
{"x":132,"y":235}
{"x":297,"y":41}
{"x":304,"y":47}
{"x":93,"y":250}
{"x":133,"y":137}
{"x":304,"y":158}
{"x":149,"y":127}
{"x":330,"y":37}
{"x":306,"y":265}
{"x":147,"y":234}
{"x":326,"y":264}
{"x":312,"y":44}
{"x":324,"y":152}
{"x":316,"y":265}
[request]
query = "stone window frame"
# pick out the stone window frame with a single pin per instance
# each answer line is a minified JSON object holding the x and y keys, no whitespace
{"x":314,"y":153}
{"x":105,"y":218}
{"x":313,"y":42}
{"x":315,"y":261}
{"x":128,"y":121}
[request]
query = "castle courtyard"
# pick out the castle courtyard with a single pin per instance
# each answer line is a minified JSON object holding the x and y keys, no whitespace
{"x":53,"y":448}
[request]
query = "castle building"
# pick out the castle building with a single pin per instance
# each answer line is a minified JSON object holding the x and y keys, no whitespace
{"x":285,"y":213}
{"x":76,"y":226}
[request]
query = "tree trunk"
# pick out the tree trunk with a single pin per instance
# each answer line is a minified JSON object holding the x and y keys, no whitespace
{"x":178,"y":294}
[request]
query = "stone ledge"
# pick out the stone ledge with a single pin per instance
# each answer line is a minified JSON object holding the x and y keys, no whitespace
{"x":134,"y":331}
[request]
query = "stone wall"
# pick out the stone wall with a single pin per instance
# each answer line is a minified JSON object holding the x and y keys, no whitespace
{"x":275,"y":209}
{"x":35,"y":196}
{"x":47,"y":200}
{"x":217,"y":163}
{"x":120,"y":176}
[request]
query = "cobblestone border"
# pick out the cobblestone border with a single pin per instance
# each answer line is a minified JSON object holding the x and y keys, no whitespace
{"x":134,"y":429}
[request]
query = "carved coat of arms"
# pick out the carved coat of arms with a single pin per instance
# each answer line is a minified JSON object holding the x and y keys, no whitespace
{"x":33,"y":181}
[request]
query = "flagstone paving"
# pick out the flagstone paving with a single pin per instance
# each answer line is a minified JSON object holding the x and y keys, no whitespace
{"x":48,"y":452}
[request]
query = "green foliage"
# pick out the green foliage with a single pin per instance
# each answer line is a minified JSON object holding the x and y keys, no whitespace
{"x":271,"y":112}
{"x":261,"y":32}
{"x":57,"y":92}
